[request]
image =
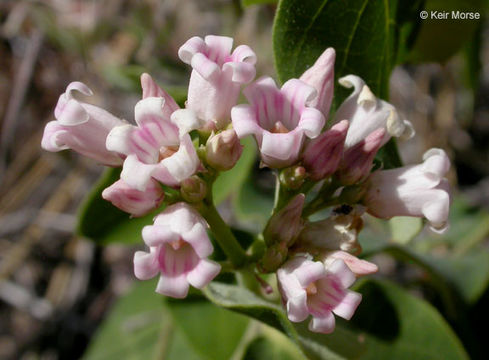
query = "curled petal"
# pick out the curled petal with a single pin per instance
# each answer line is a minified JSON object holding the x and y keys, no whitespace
{"x":173,"y":286}
{"x":203,"y":273}
{"x":145,"y":265}
{"x":324,"y":324}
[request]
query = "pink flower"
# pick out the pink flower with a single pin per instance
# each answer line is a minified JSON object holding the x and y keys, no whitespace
{"x":311,"y":288}
{"x":358,"y":160}
{"x":81,"y":127}
{"x":416,"y":190}
{"x":217,"y":76}
{"x":323,"y":154}
{"x":135,"y":202}
{"x":158,"y":147}
{"x":179,"y":247}
{"x":367,"y":113}
{"x":321,"y":77}
{"x":279,"y":119}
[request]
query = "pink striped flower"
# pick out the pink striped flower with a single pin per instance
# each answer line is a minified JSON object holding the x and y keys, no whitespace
{"x":158,"y":147}
{"x":321,"y":77}
{"x":367,"y":113}
{"x":216,"y":77}
{"x":279,"y":119}
{"x":415,"y":190}
{"x":311,"y":288}
{"x":179,"y":247}
{"x":81,"y":127}
{"x":135,"y":202}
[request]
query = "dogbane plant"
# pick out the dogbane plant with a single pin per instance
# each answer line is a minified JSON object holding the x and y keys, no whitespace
{"x":171,"y":157}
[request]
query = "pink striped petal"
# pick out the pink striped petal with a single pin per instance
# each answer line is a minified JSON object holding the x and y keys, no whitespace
{"x":324,"y":324}
{"x":154,"y":236}
{"x":321,"y":77}
{"x":203,"y":273}
{"x":197,"y":237}
{"x":151,"y":89}
{"x":312,"y":122}
{"x":173,"y":286}
{"x":136,"y":173}
{"x":346,"y":308}
{"x":145,"y":265}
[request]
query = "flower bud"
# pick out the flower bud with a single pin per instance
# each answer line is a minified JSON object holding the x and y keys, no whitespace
{"x":135,"y":202}
{"x":293,"y":177}
{"x":274,"y":257}
{"x":193,"y":189}
{"x":358,"y":160}
{"x":286,"y":224}
{"x":323,"y":154}
{"x":337,"y":232}
{"x":358,"y":266}
{"x":223,"y":150}
{"x":321,"y":77}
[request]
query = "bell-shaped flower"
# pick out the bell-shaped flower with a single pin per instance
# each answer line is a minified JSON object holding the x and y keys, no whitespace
{"x":416,"y":190}
{"x":321,"y":77}
{"x":135,"y":202}
{"x":358,"y":160}
{"x":322,"y":155}
{"x":367,"y":113}
{"x":81,"y":127}
{"x":223,"y":150}
{"x":158,"y":147}
{"x":310,"y":288}
{"x":279,"y":119}
{"x":179,"y":248}
{"x":216,"y":76}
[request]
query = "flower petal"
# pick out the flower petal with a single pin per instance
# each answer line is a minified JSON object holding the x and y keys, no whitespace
{"x":145,"y":265}
{"x":203,"y":273}
{"x":173,"y":286}
{"x":324,"y":324}
{"x":346,"y":308}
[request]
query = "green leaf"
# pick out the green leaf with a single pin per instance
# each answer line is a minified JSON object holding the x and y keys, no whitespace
{"x":272,"y":345}
{"x":340,"y":345}
{"x":102,"y":222}
{"x":229,"y":182}
{"x":397,"y":325}
{"x":246,"y":3}
{"x":213,"y":332}
{"x":253,"y":205}
{"x":438,"y":40}
{"x":405,"y":228}
{"x":139,"y":327}
{"x":361,"y":31}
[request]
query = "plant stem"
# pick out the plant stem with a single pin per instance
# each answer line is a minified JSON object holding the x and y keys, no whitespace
{"x":223,"y":235}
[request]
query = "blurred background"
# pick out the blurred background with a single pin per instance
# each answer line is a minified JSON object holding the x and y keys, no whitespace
{"x":55,"y":287}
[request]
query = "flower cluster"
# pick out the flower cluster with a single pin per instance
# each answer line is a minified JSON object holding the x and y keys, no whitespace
{"x":171,"y":156}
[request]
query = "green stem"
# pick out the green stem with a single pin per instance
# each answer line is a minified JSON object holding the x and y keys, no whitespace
{"x":223,"y":235}
{"x":323,"y":198}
